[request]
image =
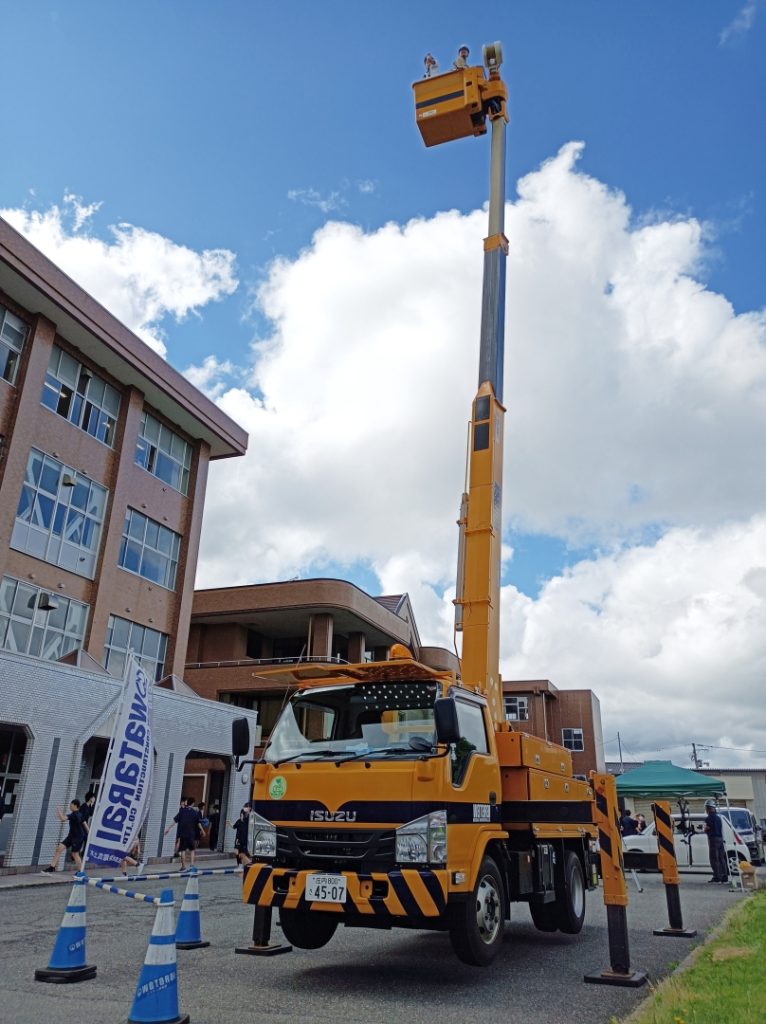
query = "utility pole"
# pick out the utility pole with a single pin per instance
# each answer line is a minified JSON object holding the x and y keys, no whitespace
{"x":619,"y":747}
{"x":695,"y":759}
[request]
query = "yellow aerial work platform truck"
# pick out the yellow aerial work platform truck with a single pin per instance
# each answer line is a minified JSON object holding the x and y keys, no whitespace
{"x":394,"y":795}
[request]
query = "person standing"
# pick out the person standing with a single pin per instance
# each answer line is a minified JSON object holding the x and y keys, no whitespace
{"x":241,"y":826}
{"x":74,"y":839}
{"x":86,"y":810}
{"x":627,"y":824}
{"x":431,"y":65}
{"x":215,"y":821}
{"x":719,"y":861}
{"x":189,"y":827}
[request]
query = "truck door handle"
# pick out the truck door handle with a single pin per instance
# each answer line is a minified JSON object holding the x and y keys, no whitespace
{"x":493,"y":798}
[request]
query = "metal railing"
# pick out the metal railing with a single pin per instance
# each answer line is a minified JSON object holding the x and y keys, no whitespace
{"x":245,"y":662}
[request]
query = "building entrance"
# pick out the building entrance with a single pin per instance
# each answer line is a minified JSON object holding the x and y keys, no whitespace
{"x":13,"y":747}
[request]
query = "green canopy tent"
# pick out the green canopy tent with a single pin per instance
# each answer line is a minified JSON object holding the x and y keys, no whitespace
{"x":662,"y":780}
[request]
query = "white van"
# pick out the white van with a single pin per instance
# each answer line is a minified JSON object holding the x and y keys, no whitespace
{"x":691,"y":845}
{"x":744,"y":823}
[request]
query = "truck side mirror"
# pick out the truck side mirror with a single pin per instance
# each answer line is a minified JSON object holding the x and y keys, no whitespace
{"x":240,"y":737}
{"x":445,"y":720}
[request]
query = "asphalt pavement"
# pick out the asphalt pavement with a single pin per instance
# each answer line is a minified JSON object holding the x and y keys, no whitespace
{"x":364,"y":977}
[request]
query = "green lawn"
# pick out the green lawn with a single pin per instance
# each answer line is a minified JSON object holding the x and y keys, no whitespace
{"x":726,"y":984}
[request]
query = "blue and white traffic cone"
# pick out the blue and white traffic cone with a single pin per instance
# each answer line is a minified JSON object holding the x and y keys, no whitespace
{"x":189,"y":927}
{"x":67,"y":961}
{"x":156,"y":998}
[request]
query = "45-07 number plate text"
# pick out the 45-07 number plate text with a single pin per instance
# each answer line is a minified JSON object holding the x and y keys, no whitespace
{"x":326,"y":888}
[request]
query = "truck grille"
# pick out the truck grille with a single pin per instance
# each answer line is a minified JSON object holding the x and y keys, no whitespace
{"x":354,"y":850}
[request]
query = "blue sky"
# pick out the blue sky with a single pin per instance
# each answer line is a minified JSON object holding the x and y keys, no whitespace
{"x":196,"y":120}
{"x":248,"y":127}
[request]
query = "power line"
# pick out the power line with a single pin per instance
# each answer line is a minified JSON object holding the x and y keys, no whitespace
{"x":746,"y":750}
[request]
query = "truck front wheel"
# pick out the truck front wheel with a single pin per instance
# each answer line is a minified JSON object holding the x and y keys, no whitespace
{"x":306,"y":929}
{"x":476,"y":925}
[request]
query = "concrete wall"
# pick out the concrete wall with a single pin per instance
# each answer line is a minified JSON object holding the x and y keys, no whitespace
{"x":61,"y":708}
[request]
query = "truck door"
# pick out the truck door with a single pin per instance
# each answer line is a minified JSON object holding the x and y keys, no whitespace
{"x":474,"y":769}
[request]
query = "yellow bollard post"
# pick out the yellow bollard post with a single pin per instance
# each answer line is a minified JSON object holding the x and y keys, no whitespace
{"x":668,"y":865}
{"x":615,"y":890}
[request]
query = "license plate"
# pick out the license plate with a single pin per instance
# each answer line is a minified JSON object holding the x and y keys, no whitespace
{"x":326,"y":888}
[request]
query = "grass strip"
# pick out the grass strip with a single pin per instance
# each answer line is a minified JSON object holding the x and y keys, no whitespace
{"x":726,"y":981}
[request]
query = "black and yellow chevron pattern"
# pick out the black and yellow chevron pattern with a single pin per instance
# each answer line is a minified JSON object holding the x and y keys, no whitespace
{"x":407,"y":893}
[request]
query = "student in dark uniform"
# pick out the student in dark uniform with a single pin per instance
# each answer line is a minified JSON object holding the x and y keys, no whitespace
{"x":86,"y":810}
{"x":74,"y":839}
{"x":240,"y":827}
{"x":215,"y":821}
{"x":189,"y":828}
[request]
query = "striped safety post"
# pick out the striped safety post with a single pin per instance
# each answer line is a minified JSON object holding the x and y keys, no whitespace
{"x":189,"y":926}
{"x":67,"y":962}
{"x":261,"y":944}
{"x":615,"y":889}
{"x":668,"y":865}
{"x":156,"y":998}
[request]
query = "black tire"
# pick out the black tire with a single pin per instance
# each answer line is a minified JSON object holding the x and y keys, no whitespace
{"x":545,"y":916}
{"x":570,"y":901}
{"x":477,"y":924}
{"x":307,"y":929}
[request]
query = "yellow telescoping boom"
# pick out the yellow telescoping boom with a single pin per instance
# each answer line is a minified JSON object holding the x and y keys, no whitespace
{"x":392,"y":794}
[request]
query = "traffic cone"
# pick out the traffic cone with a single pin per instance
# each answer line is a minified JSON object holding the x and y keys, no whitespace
{"x":67,"y":961}
{"x":189,"y":926}
{"x":156,"y":998}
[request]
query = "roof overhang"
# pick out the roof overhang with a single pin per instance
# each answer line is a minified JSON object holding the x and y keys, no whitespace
{"x":38,"y":285}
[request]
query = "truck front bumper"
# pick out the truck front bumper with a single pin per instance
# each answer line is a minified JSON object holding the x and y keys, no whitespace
{"x":405,"y":893}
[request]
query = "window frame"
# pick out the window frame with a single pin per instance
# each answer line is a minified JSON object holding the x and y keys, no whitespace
{"x":14,"y":349}
{"x":155,"y":452}
{"x":132,"y":539}
{"x":69,"y":514}
{"x":519,"y":699}
{"x":573,"y":738}
{"x":154,"y":667}
{"x":41,"y":624}
{"x":79,"y":405}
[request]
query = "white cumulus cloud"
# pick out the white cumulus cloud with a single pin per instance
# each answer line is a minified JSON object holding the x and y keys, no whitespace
{"x":139,"y":276}
{"x":635,"y":396}
{"x":671,"y":636}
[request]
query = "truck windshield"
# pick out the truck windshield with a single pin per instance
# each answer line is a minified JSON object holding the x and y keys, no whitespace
{"x":738,"y":818}
{"x":381,"y":718}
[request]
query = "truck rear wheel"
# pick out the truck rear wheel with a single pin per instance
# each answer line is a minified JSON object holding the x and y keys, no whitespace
{"x":476,"y":925}
{"x":570,"y":901}
{"x":306,"y":929}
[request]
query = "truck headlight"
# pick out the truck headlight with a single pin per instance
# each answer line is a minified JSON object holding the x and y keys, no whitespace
{"x":424,"y":840}
{"x":261,"y":837}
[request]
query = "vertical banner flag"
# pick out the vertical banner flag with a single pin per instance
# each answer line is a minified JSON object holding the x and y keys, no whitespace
{"x":126,"y":785}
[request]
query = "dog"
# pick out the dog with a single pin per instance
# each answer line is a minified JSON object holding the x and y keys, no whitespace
{"x":750,"y":879}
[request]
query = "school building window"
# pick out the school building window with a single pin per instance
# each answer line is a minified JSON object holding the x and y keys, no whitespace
{"x":59,"y":515}
{"x":516,"y":709}
{"x":163,"y":453}
{"x":37,"y":622}
{"x":73,"y":391}
{"x":149,"y":549}
{"x":148,"y":645}
{"x":13,"y":333}
{"x":572,"y":739}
